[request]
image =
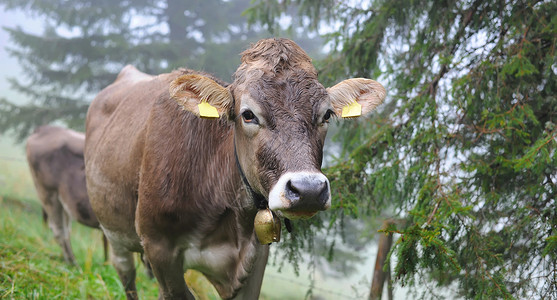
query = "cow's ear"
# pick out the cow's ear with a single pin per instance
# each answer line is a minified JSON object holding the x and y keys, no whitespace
{"x":355,"y":97}
{"x":201,"y":95}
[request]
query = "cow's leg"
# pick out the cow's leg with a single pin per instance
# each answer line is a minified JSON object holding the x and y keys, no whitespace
{"x":122,"y":259}
{"x":53,"y":215}
{"x":167,"y":263}
{"x":58,"y":222}
{"x":45,"y":217}
{"x":67,"y":227}
{"x":252,"y":285}
{"x":147,"y":265}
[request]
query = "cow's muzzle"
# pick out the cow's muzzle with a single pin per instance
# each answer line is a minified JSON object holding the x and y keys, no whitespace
{"x":300,"y":195}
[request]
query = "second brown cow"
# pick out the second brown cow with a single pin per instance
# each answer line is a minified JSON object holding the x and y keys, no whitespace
{"x":55,"y":157}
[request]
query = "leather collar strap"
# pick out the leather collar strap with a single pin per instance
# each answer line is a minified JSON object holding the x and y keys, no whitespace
{"x":258,"y":200}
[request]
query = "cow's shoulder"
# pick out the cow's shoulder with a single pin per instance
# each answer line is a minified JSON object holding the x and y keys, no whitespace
{"x":129,"y":87}
{"x":131,"y":73}
{"x":52,"y":151}
{"x":52,"y":138}
{"x":122,"y":88}
{"x":75,"y":141}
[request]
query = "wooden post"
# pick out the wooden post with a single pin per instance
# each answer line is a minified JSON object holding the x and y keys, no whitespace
{"x":379,"y":276}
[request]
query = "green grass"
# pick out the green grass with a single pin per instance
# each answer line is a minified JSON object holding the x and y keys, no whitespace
{"x":32,"y":267}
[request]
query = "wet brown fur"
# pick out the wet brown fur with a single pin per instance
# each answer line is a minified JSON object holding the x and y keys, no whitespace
{"x":176,"y":172}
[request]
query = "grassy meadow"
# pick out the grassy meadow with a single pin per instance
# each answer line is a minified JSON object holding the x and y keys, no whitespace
{"x":32,"y":265}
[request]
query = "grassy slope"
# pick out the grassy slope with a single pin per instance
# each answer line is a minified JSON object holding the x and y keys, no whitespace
{"x":31,"y":264}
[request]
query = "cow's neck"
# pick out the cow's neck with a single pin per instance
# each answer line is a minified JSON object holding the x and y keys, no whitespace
{"x":259,"y":200}
{"x":204,"y":155}
{"x":237,"y":198}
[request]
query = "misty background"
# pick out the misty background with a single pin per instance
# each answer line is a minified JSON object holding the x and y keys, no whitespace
{"x":462,"y":155}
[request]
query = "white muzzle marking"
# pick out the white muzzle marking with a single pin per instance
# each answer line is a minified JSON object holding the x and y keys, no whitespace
{"x":279,"y":202}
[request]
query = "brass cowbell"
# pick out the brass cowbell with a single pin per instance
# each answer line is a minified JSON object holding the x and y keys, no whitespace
{"x":267,"y":226}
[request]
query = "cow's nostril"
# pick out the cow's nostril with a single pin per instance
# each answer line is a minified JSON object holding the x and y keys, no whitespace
{"x":292,"y":192}
{"x":308,"y":189}
{"x":323,"y":193}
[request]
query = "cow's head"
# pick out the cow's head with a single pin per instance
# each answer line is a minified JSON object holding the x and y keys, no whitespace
{"x":281,"y":115}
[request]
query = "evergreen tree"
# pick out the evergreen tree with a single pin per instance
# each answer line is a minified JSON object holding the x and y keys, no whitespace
{"x":465,"y":147}
{"x":85,"y":43}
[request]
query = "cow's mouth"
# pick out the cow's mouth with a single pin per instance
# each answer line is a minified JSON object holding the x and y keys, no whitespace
{"x":295,"y":214}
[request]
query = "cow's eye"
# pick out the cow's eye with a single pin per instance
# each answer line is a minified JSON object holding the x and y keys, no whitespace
{"x":249,"y":117}
{"x":327,"y":116}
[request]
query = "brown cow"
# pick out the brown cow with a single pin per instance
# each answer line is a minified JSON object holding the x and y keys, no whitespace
{"x":166,"y":180}
{"x":55,"y":157}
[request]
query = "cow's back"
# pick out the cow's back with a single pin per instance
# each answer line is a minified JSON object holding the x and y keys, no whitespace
{"x":52,"y":150}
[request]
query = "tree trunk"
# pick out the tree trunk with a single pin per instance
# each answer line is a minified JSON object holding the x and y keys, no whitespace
{"x":379,"y":275}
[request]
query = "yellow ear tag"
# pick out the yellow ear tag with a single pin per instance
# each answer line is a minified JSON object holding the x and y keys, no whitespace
{"x":352,"y":110}
{"x":206,"y":110}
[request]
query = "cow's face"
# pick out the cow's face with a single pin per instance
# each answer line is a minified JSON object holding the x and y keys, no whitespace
{"x":281,"y":115}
